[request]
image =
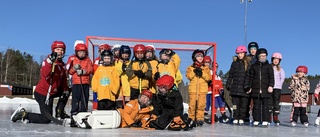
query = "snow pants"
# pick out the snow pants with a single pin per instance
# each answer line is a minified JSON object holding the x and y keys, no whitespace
{"x":79,"y":98}
{"x":261,"y":109}
{"x":106,"y":104}
{"x":300,"y":110}
{"x":239,"y":107}
{"x":274,"y":102}
{"x":196,"y":107}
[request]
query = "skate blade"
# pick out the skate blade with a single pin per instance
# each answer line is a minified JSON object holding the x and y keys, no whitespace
{"x":16,"y":111}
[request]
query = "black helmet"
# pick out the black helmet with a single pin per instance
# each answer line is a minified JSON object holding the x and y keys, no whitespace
{"x":261,"y":50}
{"x":195,"y":52}
{"x":168,"y":52}
{"x":125,"y":49}
{"x":253,"y":44}
{"x":106,"y":53}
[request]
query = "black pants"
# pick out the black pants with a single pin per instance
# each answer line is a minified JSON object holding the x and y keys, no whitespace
{"x":239,"y":107}
{"x":106,"y":104}
{"x":261,"y":109}
{"x":62,"y":102}
{"x":79,"y":98}
{"x":163,"y":120}
{"x":302,"y":112}
{"x":134,"y":93}
{"x":42,"y":117}
{"x":274,"y":102}
{"x":247,"y":117}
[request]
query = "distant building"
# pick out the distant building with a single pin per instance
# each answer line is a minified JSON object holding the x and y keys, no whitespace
{"x":12,"y":89}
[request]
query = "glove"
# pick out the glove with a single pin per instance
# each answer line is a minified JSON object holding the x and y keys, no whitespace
{"x":210,"y":83}
{"x":124,"y":67}
{"x":177,"y":120}
{"x":156,"y":76}
{"x":153,"y":117}
{"x":52,"y":57}
{"x":77,"y":67}
{"x":270,"y":89}
{"x":198,"y":71}
{"x":139,"y":73}
{"x":316,"y":97}
{"x":81,"y":72}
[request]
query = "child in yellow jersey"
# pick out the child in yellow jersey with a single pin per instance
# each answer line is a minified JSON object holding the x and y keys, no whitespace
{"x":152,"y":58}
{"x":199,"y":76}
{"x":106,"y":82}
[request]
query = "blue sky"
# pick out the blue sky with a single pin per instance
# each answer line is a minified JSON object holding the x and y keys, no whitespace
{"x":291,"y":27}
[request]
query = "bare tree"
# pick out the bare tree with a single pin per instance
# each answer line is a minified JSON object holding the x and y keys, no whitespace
{"x":8,"y":63}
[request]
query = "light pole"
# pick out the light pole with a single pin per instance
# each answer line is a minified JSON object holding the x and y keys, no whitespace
{"x":245,"y":18}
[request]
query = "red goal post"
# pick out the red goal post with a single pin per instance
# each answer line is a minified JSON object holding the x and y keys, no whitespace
{"x":183,"y":48}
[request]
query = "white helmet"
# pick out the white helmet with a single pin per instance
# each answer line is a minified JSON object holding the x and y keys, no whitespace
{"x":116,"y":46}
{"x":78,"y":42}
{"x":150,"y":46}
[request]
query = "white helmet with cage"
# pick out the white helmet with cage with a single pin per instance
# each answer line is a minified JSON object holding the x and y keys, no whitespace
{"x":116,"y":46}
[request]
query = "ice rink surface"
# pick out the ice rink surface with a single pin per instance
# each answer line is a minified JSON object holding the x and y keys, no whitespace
{"x":8,"y":128}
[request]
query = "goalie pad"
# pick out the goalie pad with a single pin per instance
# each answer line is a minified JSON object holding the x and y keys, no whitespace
{"x":98,"y":119}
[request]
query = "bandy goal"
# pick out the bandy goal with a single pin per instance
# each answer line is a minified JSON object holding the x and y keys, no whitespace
{"x":182,"y":48}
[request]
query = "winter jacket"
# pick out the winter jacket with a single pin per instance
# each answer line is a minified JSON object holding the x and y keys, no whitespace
{"x":59,"y":80}
{"x":238,"y":73}
{"x":253,"y":59}
{"x":152,"y":82}
{"x":124,"y":82}
{"x":133,"y":79}
{"x":171,"y":103}
{"x":96,"y":64}
{"x":70,"y":60}
{"x":299,"y":88}
{"x":106,"y":82}
{"x":133,"y":113}
{"x":261,"y":77}
{"x":218,"y":86}
{"x":167,"y":69}
{"x":198,"y":84}
{"x":279,"y":77}
{"x":86,"y":64}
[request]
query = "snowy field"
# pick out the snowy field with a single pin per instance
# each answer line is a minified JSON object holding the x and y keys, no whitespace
{"x":8,"y":128}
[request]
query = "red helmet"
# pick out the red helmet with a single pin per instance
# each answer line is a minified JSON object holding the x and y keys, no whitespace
{"x":150,"y":48}
{"x":139,"y":48}
{"x":147,"y":93}
{"x":206,"y":59}
{"x":104,"y":47}
{"x":277,"y":55}
{"x":58,"y":44}
{"x":166,"y":81}
{"x":241,"y":49}
{"x":81,"y":47}
{"x":303,"y":69}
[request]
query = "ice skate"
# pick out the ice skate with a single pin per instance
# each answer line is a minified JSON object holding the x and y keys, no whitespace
{"x":265,"y":124}
{"x":19,"y":114}
{"x":293,"y":123}
{"x":317,"y":121}
{"x":276,"y":120}
{"x":241,"y":122}
{"x":306,"y":124}
{"x":61,"y":114}
{"x":190,"y":124}
{"x":200,"y":123}
{"x":235,"y":122}
{"x":208,"y":120}
{"x":255,"y":123}
{"x":225,"y":118}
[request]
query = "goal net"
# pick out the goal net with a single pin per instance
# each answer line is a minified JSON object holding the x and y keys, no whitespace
{"x":182,"y":48}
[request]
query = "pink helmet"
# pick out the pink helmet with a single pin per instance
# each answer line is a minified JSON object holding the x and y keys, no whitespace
{"x":277,"y":55}
{"x":241,"y":49}
{"x":303,"y":69}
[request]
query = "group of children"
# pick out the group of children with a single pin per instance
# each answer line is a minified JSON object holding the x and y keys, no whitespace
{"x":148,"y":86}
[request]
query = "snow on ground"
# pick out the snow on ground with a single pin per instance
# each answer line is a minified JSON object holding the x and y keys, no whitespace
{"x":8,"y":128}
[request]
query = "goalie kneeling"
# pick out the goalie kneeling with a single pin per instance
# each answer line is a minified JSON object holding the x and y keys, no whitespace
{"x":168,"y":106}
{"x":136,"y":113}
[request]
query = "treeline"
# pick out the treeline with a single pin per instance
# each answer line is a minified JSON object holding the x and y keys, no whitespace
{"x":18,"y":68}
